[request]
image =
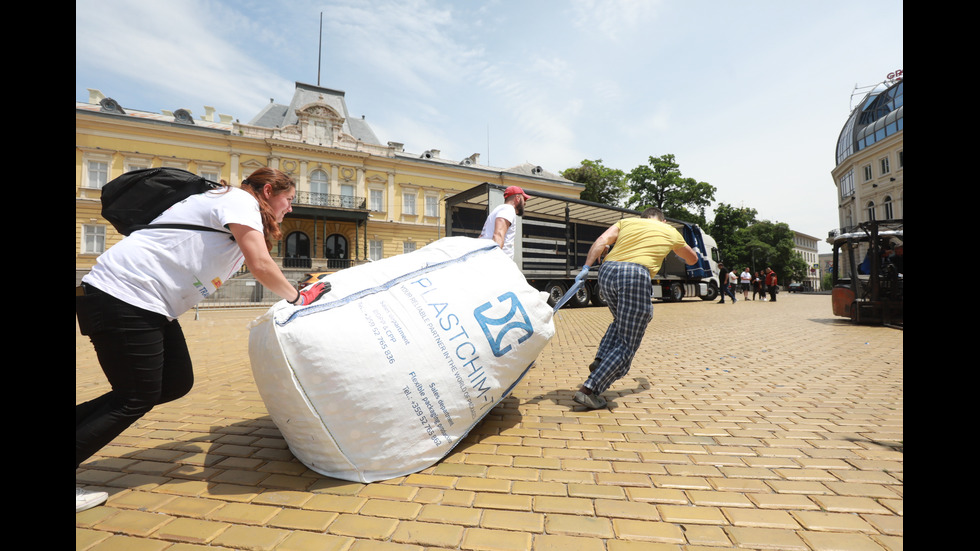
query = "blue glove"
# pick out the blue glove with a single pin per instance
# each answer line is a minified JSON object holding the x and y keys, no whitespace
{"x":582,"y":275}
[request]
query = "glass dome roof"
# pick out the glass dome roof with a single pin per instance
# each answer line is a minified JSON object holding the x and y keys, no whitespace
{"x":879,"y":116}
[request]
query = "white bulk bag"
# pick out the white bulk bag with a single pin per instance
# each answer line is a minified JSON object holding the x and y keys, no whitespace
{"x":386,"y":373}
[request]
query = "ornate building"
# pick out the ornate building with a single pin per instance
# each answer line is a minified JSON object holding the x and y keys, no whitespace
{"x":357,"y":199}
{"x":870,"y":163}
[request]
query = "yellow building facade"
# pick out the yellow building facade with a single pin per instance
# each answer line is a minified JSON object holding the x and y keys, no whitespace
{"x":357,"y":199}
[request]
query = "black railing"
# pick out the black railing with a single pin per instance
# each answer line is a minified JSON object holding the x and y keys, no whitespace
{"x":329,"y":200}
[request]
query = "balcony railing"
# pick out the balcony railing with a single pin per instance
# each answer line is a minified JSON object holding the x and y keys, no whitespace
{"x":330,"y":200}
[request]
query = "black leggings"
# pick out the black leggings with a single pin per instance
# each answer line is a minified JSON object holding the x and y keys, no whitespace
{"x":144,"y":357}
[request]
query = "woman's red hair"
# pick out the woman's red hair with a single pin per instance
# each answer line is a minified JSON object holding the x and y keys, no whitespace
{"x":255,"y":184}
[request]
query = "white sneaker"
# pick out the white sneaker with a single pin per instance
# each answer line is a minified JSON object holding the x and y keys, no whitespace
{"x":86,"y":499}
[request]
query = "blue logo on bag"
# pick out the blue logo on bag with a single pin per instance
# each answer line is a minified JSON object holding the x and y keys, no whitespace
{"x":515,"y":320}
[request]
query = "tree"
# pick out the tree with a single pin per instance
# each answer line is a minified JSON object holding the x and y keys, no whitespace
{"x":771,"y":245}
{"x":602,"y":184}
{"x":727,"y":229}
{"x":660,"y":184}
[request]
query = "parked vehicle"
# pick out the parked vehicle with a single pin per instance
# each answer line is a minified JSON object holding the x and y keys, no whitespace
{"x":555,"y":234}
{"x":795,"y":288}
{"x":868,"y":284}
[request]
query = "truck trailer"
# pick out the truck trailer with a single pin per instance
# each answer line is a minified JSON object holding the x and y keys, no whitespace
{"x":554,"y":235}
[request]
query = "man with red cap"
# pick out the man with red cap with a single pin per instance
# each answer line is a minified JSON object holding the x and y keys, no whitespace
{"x":500,"y":223}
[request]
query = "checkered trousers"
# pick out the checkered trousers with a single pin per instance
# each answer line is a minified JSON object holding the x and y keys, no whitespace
{"x":626,"y":289}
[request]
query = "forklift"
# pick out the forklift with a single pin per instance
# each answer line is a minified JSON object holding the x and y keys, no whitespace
{"x":868,"y":285}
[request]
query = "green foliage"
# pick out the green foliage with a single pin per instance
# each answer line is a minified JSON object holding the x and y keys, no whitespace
{"x":602,"y":184}
{"x":660,"y":184}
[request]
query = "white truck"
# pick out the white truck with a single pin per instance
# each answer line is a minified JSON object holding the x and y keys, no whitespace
{"x":554,"y":236}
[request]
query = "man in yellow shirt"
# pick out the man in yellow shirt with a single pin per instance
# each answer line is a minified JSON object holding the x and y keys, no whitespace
{"x":641,"y":246}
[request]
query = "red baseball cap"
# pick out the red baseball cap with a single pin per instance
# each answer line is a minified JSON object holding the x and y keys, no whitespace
{"x":514,"y":190}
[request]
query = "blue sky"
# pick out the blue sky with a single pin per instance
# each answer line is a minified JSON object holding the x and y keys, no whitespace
{"x":749,"y":96}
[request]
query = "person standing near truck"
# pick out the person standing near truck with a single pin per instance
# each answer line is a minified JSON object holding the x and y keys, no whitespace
{"x":771,"y":283}
{"x":500,"y":224}
{"x":625,"y":278}
{"x":745,"y":281}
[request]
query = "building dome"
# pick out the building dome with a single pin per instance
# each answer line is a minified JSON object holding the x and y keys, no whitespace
{"x":879,"y":115}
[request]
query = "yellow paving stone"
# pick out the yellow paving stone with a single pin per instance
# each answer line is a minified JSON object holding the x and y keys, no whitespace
{"x":596,"y":491}
{"x":832,"y":522}
{"x":539,"y":488}
{"x":385,"y":491}
{"x":456,"y":497}
{"x":134,"y":523}
{"x":895,"y":505}
{"x":447,"y":514}
{"x":623,"y":479}
{"x":567,"y":505}
{"x":427,"y":534}
{"x":456,"y":469}
{"x":191,"y":530}
{"x":706,"y":535}
{"x":129,"y":543}
{"x":483,"y":485}
{"x":657,"y":495}
{"x":893,"y":525}
{"x":254,"y":538}
{"x":823,"y":541}
{"x":766,"y":538}
{"x":705,"y":498}
{"x":512,"y":473}
{"x":390,"y":509}
{"x":575,"y":525}
{"x":660,"y":532}
{"x":568,"y":477}
{"x":850,"y":504}
{"x":782,"y":501}
{"x":305,"y":541}
{"x":681,"y":482}
{"x":798,"y":487}
{"x":761,"y":518}
{"x":87,"y":539}
{"x":521,"y":521}
{"x":626,"y":509}
{"x":144,"y":501}
{"x":297,"y":519}
{"x":537,"y":462}
{"x":619,"y":545}
{"x":244,"y":513}
{"x":548,"y":542}
{"x":502,"y":501}
{"x":358,"y":526}
{"x":480,"y":539}
{"x":335,"y":503}
{"x":685,"y":514}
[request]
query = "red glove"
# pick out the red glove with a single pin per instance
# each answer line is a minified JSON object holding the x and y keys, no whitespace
{"x":312,"y":293}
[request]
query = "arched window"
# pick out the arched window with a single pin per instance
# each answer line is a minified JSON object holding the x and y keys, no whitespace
{"x":336,"y":251}
{"x":297,"y":251}
{"x":871,"y":211}
{"x":889,"y":208}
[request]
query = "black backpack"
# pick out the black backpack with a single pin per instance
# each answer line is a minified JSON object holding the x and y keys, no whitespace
{"x":131,"y":201}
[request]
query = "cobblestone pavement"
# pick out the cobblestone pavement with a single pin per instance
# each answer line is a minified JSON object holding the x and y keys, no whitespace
{"x":753,"y":425}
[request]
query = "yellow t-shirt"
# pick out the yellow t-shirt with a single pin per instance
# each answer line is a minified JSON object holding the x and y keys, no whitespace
{"x":645,"y":241}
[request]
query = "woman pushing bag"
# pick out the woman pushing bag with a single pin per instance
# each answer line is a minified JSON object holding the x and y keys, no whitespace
{"x":129,"y":303}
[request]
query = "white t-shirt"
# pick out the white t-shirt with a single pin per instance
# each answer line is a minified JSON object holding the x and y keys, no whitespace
{"x":745,"y":277}
{"x":508,"y":213}
{"x":168,"y":271}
